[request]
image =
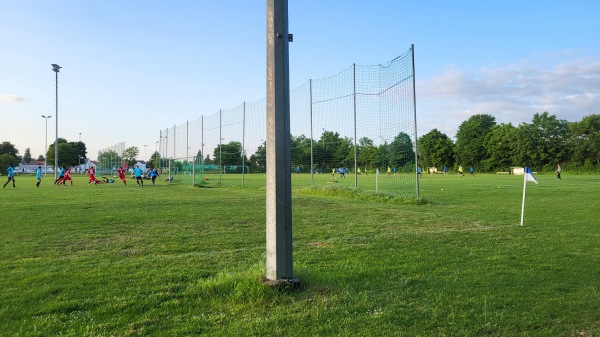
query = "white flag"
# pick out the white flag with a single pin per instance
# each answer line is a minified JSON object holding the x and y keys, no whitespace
{"x":529,"y":175}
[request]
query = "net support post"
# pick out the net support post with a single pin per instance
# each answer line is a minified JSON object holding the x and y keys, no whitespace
{"x":279,"y":264}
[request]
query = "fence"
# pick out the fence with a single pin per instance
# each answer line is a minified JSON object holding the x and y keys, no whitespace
{"x":110,"y":158}
{"x":360,"y":122}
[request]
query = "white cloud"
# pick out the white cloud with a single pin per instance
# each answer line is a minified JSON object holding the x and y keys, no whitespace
{"x":511,"y":93}
{"x":11,"y":98}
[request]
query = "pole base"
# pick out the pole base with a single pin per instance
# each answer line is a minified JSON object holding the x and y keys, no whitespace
{"x":283,"y":283}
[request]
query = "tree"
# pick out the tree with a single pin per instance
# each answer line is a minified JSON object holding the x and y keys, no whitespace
{"x":27,"y":155}
{"x":129,"y":155}
{"x":544,"y":141}
{"x":40,"y":158}
{"x":300,"y":151}
{"x":368,"y":155}
{"x":326,"y":152}
{"x":228,"y":154}
{"x":5,"y":160}
{"x":585,"y":139}
{"x":401,"y":151}
{"x":8,"y":148}
{"x":501,"y":145}
{"x":81,"y":150}
{"x":258,"y":161}
{"x":155,"y":159}
{"x":469,"y":149}
{"x":109,"y":160}
{"x":68,"y":153}
{"x":436,"y":149}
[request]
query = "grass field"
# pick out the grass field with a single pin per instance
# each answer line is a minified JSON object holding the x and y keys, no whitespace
{"x":174,"y":260}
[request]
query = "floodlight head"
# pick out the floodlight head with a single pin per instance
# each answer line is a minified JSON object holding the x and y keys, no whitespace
{"x":55,"y":67}
{"x":44,"y":116}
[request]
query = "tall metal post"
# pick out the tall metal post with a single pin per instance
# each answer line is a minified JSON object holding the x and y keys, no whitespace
{"x":243,"y":141}
{"x":279,"y":264}
{"x":46,"y":148}
{"x":202,"y":146}
{"x":187,"y":142}
{"x":312,"y":153}
{"x":354,"y":98}
{"x":174,"y":141}
{"x":412,"y":48}
{"x":167,"y":146}
{"x":220,"y":145}
{"x":56,"y":69}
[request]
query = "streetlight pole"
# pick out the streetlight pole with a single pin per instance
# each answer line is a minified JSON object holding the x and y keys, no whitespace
{"x":46,"y":148}
{"x":145,"y":146}
{"x":56,"y":69}
{"x":79,"y":155}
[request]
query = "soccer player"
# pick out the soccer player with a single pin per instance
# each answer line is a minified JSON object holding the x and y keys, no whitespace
{"x":38,"y":176}
{"x":67,"y":177}
{"x":92,"y":173}
{"x":389,"y":172}
{"x":460,"y":170}
{"x":471,"y":172}
{"x":11,"y":175}
{"x":61,"y":176}
{"x":153,"y":175}
{"x":445,"y":170}
{"x":139,"y":179}
{"x":121,"y":173}
{"x":298,"y":171}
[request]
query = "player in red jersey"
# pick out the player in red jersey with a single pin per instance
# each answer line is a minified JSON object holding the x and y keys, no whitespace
{"x":121,"y":173}
{"x":67,"y":177}
{"x":92,"y":173}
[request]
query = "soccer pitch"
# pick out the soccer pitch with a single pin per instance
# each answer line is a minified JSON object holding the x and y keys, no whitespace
{"x":175,"y":260}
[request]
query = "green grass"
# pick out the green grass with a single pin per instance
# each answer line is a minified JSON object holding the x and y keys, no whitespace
{"x":173,"y":260}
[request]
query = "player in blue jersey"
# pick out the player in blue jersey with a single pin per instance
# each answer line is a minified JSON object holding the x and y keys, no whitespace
{"x":139,"y":175}
{"x":11,"y":175}
{"x":38,"y":176}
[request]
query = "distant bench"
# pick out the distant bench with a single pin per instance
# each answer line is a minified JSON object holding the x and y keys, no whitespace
{"x":502,"y":172}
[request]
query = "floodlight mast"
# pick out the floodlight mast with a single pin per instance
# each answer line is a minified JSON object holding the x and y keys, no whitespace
{"x":56,"y":69}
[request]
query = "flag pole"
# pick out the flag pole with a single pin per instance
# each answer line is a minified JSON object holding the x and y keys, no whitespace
{"x":524,"y":189}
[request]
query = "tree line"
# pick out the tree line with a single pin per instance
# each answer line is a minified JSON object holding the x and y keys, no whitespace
{"x":480,"y":142}
{"x":542,"y":144}
{"x":69,"y":154}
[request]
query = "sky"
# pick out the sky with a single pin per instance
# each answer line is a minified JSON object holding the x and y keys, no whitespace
{"x":133,"y":68}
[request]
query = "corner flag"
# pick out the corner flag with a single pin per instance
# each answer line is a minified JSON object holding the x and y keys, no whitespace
{"x":527,"y":177}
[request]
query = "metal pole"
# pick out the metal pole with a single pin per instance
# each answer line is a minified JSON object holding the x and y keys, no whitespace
{"x":412,"y":47}
{"x":279,"y":263}
{"x":202,"y":146}
{"x":46,"y":146}
{"x":243,"y":140}
{"x":56,"y":70}
{"x":79,"y":154}
{"x":174,"y":141}
{"x":220,"y":145}
{"x":312,"y":164}
{"x":354,"y":98}
{"x":187,"y":141}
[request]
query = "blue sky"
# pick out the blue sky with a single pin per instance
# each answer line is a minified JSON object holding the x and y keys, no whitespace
{"x":133,"y":68}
